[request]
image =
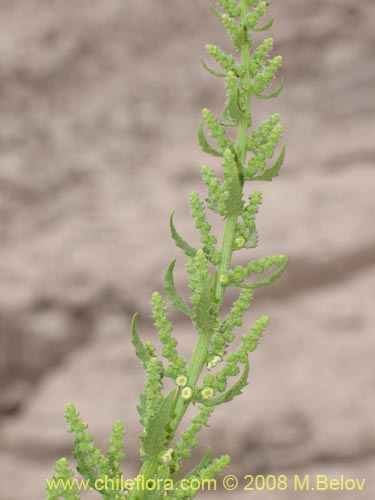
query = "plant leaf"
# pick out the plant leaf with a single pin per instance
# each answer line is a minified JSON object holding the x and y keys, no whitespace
{"x":158,"y":432}
{"x":253,"y":239}
{"x":140,"y":350}
{"x":234,"y":109}
{"x":267,"y":281}
{"x":180,"y":242}
{"x":204,"y":143}
{"x":273,"y":94}
{"x":219,"y":74}
{"x":171,"y":292}
{"x":272,"y":172}
{"x":266,"y":26}
{"x":203,"y":312}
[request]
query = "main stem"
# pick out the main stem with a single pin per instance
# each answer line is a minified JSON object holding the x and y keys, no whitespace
{"x":200,"y":352}
{"x":199,"y":356}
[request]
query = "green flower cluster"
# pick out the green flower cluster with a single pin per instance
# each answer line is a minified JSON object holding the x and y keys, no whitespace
{"x":200,"y":281}
{"x":230,"y":6}
{"x":92,"y":463}
{"x":259,"y":56}
{"x":214,"y":468}
{"x":225,"y":335}
{"x":217,"y":372}
{"x":152,"y":399}
{"x":177,"y":364}
{"x":188,"y":439}
{"x":207,"y":239}
{"x":218,"y":382}
{"x":56,"y":488}
{"x":246,"y":232}
{"x":227,"y":62}
{"x":263,"y":143}
{"x":239,"y":273}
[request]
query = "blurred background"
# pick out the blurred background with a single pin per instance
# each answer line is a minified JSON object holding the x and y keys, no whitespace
{"x":99,"y":105}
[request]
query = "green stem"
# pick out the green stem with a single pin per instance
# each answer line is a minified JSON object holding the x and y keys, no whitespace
{"x":147,"y":471}
{"x":201,"y":349}
{"x":226,"y":255}
{"x":199,"y":356}
{"x":241,"y":148}
{"x":196,"y":365}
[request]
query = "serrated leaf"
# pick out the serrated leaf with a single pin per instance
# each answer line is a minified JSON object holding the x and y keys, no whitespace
{"x":203,"y":311}
{"x":234,"y":109}
{"x":234,"y":202}
{"x":272,"y":172}
{"x":157,"y":431}
{"x":253,"y":239}
{"x":180,"y":242}
{"x":204,"y":143}
{"x":219,"y":74}
{"x":171,"y":292}
{"x":266,"y":26}
{"x":272,"y":94}
{"x":140,"y":350}
{"x":234,"y":391}
{"x":267,"y":281}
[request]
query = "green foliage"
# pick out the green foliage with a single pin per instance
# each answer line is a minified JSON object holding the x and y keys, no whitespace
{"x":171,"y":292}
{"x":180,"y":242}
{"x":92,"y":463}
{"x":57,"y":486}
{"x":169,"y":343}
{"x":217,"y":132}
{"x":227,"y":62}
{"x":155,"y":438}
{"x":116,"y":449}
{"x":188,"y":439}
{"x":142,"y":353}
{"x":217,"y":372}
{"x":207,"y":239}
{"x":204,"y":310}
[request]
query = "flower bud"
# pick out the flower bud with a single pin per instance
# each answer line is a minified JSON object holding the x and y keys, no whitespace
{"x":181,"y":381}
{"x":187,"y":393}
{"x":239,"y":242}
{"x":207,"y":392}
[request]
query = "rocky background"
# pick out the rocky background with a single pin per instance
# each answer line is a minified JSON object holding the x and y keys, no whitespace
{"x":99,"y":106}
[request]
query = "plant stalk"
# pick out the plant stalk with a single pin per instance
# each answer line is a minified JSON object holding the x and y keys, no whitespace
{"x":199,"y":356}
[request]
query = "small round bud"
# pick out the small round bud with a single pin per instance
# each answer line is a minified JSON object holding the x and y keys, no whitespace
{"x":167,"y":456}
{"x":239,"y":242}
{"x":187,"y":393}
{"x":224,"y":279}
{"x":214,"y":361}
{"x":207,"y":392}
{"x":181,"y":380}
